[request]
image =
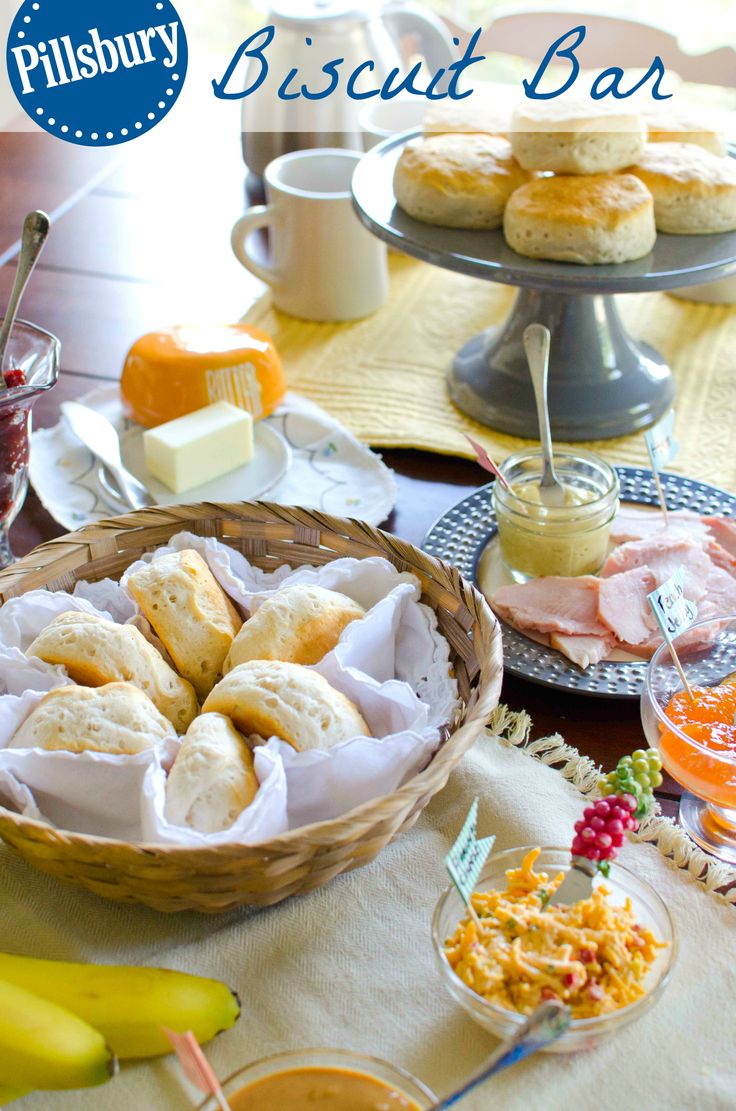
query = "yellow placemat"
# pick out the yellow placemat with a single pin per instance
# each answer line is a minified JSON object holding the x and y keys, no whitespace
{"x":384,"y":377}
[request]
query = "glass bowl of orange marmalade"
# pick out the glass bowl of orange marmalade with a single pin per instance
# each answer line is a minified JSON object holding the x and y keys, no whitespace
{"x":696,"y":737}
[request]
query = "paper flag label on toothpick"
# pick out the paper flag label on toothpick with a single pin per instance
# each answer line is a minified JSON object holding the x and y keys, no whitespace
{"x":467,"y":856}
{"x":485,"y":460}
{"x":673,"y":611}
{"x":661,"y":442}
{"x":195,"y":1065}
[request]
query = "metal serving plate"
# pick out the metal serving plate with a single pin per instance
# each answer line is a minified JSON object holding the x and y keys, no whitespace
{"x":462,"y":533}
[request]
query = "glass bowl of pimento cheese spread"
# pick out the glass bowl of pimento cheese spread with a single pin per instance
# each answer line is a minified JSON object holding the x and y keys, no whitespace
{"x":608,"y":957}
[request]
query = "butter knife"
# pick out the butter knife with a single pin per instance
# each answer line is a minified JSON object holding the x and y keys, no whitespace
{"x":101,"y":437}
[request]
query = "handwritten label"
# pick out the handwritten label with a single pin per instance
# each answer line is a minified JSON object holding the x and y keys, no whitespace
{"x":673,"y":611}
{"x":661,"y":443}
{"x":467,"y":856}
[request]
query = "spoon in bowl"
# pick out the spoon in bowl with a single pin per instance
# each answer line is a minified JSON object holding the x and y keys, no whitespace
{"x":544,"y":1026}
{"x":536,"y":345}
{"x":35,"y":230}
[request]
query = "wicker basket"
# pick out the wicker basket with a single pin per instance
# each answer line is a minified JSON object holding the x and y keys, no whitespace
{"x":220,"y":878}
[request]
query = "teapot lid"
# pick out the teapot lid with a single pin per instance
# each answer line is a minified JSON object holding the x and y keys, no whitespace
{"x":313,"y":14}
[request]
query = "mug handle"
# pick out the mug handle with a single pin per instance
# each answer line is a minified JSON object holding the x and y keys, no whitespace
{"x":409,"y":18}
{"x":261,"y":216}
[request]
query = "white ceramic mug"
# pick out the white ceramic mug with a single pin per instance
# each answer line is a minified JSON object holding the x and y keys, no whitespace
{"x":325,"y":264}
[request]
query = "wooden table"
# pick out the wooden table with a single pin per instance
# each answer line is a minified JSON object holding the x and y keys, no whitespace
{"x":141,"y":240}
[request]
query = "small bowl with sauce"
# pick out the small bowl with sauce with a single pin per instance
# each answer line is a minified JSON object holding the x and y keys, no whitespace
{"x":571,"y":539}
{"x":331,"y":1079}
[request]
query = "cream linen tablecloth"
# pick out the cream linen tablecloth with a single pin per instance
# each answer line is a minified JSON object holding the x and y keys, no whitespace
{"x":351,"y":965}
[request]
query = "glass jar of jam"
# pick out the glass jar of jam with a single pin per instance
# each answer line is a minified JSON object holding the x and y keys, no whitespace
{"x":31,"y":368}
{"x":538,"y":539}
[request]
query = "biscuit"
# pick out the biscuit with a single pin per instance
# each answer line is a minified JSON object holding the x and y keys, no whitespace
{"x":685,"y":127}
{"x":575,"y":138}
{"x":457,"y":181}
{"x":118,"y":719}
{"x":213,"y":779}
{"x":190,"y":612}
{"x":275,"y":699}
{"x":591,"y":220}
{"x":298,"y":624}
{"x":95,"y":651}
{"x":694,"y":191}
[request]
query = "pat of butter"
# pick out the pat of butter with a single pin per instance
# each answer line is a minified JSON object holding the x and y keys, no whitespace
{"x":203,"y":445}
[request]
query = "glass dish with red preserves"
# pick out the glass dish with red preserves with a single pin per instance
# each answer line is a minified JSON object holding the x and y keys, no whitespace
{"x":31,"y":368}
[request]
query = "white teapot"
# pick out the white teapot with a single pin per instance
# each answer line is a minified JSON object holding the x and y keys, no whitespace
{"x":311,"y":34}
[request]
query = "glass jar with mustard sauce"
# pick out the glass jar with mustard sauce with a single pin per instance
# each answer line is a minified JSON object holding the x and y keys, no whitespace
{"x":538,"y":539}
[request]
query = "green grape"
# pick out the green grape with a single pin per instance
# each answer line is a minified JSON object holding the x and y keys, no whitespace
{"x":655,"y":779}
{"x":640,"y":754}
{"x":643,"y":779}
{"x":641,"y":766}
{"x":654,"y":759}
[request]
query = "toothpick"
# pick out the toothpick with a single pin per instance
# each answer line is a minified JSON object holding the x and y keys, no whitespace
{"x":680,"y":671}
{"x":195,"y":1065}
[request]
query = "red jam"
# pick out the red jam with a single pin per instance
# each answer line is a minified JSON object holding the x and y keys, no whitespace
{"x":13,"y":441}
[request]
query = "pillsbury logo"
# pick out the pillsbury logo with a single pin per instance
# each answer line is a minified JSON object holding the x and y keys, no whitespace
{"x":97,"y":72}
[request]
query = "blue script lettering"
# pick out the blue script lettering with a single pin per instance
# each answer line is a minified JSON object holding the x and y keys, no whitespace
{"x":615,"y":74}
{"x":255,"y":48}
{"x":555,"y":51}
{"x":245,"y":51}
{"x":607,"y":83}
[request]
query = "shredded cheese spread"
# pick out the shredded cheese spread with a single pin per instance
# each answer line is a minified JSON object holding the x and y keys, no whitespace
{"x":592,"y":955}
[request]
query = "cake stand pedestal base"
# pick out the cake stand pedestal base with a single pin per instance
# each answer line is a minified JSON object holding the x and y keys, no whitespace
{"x":602,"y":382}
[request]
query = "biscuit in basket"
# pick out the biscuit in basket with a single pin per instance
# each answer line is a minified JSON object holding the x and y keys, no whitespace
{"x":95,"y":651}
{"x":190,"y":612}
{"x":117,"y":719}
{"x":694,"y":191}
{"x":685,"y":127}
{"x":275,"y":699}
{"x":595,"y":219}
{"x":213,"y":779}
{"x":298,"y":624}
{"x":575,"y":138}
{"x":457,"y":181}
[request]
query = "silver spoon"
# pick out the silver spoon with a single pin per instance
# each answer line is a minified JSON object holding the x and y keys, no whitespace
{"x":544,"y":1026}
{"x":35,"y":230}
{"x":536,"y":345}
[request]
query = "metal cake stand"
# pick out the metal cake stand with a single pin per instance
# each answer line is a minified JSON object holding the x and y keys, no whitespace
{"x":603,"y":382}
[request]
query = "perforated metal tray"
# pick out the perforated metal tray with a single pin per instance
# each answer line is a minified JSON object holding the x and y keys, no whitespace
{"x":461,"y":535}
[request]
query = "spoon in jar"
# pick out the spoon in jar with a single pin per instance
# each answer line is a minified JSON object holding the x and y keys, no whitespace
{"x":536,"y":345}
{"x":35,"y":230}
{"x":544,"y":1026}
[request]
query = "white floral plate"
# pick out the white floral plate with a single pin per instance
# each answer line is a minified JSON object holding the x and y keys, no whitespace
{"x":330,"y":470}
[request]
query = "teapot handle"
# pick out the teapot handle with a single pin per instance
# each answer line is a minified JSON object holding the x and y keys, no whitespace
{"x":436,"y":41}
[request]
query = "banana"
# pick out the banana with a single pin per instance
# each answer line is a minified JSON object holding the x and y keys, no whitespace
{"x":44,"y":1046}
{"x":129,"y":1005}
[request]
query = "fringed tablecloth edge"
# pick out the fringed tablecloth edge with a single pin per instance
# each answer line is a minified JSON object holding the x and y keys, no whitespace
{"x":513,"y":728}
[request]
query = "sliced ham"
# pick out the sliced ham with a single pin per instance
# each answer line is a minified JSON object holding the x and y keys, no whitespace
{"x":723,"y":530}
{"x":583,"y":650}
{"x":663,"y":555}
{"x":632,"y":523}
{"x":552,"y":605}
{"x":623,"y":607}
{"x":721,"y":557}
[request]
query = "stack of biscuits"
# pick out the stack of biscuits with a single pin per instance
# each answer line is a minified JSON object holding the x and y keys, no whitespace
{"x":192,"y":667}
{"x":576,"y":183}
